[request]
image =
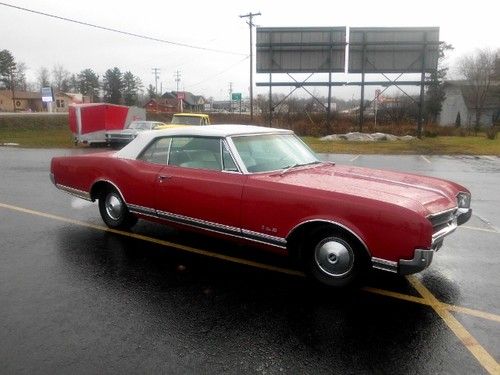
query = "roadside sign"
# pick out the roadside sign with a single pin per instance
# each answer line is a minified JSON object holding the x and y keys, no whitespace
{"x":236,"y":96}
{"x":47,"y":94}
{"x":181,"y":95}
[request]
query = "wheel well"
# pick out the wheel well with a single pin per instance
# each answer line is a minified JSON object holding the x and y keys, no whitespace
{"x":297,"y":239}
{"x":98,"y":188}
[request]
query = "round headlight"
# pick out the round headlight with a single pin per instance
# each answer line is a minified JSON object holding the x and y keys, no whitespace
{"x":463,"y":200}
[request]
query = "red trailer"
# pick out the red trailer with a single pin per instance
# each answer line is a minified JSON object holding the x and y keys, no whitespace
{"x":89,"y":122}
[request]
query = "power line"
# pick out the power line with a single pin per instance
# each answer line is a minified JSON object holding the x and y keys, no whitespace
{"x":218,"y":74}
{"x":120,"y":31}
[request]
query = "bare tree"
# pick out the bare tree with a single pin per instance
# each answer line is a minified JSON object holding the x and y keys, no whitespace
{"x":478,"y":70}
{"x":43,"y":78}
{"x":20,"y":76}
{"x":60,"y":78}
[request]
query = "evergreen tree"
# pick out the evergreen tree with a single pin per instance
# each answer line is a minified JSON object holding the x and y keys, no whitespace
{"x":7,"y":69}
{"x":435,"y":87}
{"x":112,"y":86}
{"x":458,"y":121}
{"x":88,"y":84}
{"x":131,"y":88}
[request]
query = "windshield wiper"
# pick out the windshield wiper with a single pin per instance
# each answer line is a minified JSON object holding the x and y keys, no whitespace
{"x":298,"y":165}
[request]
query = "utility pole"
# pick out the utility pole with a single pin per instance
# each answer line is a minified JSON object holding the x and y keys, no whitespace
{"x":13,"y":88}
{"x":230,"y":97}
{"x":177,"y":78}
{"x":156,"y":72}
{"x":251,"y":25}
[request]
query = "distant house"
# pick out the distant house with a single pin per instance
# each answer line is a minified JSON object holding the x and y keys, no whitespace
{"x":23,"y":101}
{"x":190,"y":102}
{"x":162,"y":105}
{"x":27,"y":101}
{"x":458,"y":103}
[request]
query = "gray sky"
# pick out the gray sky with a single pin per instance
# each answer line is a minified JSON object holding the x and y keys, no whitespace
{"x":41,"y":41}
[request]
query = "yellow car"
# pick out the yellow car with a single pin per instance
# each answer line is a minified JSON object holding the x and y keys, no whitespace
{"x":179,"y":119}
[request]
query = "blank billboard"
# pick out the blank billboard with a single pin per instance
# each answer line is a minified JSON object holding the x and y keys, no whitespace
{"x":300,"y":50}
{"x":393,"y":50}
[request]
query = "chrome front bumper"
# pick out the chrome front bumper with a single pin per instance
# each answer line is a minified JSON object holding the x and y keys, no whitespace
{"x":422,"y":258}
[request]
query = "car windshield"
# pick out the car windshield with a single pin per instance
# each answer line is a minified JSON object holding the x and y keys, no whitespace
{"x":140,"y":126}
{"x":272,"y":152}
{"x":186,"y":120}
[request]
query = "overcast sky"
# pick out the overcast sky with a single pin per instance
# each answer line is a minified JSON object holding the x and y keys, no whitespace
{"x":41,"y":41}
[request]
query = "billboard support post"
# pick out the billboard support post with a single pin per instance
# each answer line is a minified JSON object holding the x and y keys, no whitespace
{"x":371,"y":50}
{"x":328,"y":114}
{"x":422,"y":91}
{"x":270,"y":100}
{"x":362,"y":102}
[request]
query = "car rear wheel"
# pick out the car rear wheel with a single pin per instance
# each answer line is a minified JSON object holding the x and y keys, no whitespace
{"x":334,"y":259}
{"x":114,"y":211}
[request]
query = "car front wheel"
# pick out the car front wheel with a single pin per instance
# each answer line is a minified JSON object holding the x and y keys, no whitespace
{"x":334,"y":259}
{"x":114,"y":211}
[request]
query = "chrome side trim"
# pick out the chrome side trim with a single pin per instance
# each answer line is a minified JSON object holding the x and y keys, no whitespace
{"x":141,"y":210}
{"x":385,"y":265}
{"x":262,"y":237}
{"x":334,"y":223}
{"x":181,"y":219}
{"x":210,"y":226}
{"x":76,"y":192}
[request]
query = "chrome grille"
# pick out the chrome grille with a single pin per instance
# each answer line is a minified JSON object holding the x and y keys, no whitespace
{"x":442,"y":220}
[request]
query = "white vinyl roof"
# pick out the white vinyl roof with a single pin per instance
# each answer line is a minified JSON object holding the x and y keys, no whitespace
{"x":134,"y":148}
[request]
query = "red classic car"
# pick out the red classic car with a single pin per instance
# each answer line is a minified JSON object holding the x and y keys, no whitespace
{"x":266,"y":186}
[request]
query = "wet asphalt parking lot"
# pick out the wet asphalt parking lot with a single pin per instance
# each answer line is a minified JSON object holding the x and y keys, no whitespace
{"x":76,"y":298}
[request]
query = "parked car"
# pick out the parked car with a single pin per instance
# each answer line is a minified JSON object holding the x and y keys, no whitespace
{"x":195,"y":119}
{"x":89,"y":122}
{"x":119,"y":138}
{"x":265,"y":186}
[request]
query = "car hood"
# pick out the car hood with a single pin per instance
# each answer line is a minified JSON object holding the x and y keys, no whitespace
{"x":424,"y":194}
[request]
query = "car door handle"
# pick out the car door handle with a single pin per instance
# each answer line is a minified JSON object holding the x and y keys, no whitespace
{"x":162,"y":178}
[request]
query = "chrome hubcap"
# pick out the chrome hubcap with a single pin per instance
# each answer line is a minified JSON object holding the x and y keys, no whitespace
{"x":334,"y":257}
{"x":114,"y":206}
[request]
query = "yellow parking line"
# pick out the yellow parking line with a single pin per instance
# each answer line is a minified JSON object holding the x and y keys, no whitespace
{"x":484,"y":358}
{"x":354,"y":158}
{"x":422,"y":301}
{"x":480,"y":229}
{"x":401,"y":296}
{"x":250,"y":263}
{"x":157,"y":241}
{"x":477,"y":313}
{"x":425,"y":159}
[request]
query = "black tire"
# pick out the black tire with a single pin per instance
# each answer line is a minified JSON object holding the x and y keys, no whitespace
{"x":114,"y":211}
{"x":334,"y":258}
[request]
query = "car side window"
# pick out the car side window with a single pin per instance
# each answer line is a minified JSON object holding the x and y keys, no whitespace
{"x":196,"y":152}
{"x":157,"y":151}
{"x":227,"y":160}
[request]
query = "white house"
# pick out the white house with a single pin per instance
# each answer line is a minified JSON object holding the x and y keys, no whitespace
{"x":458,"y":102}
